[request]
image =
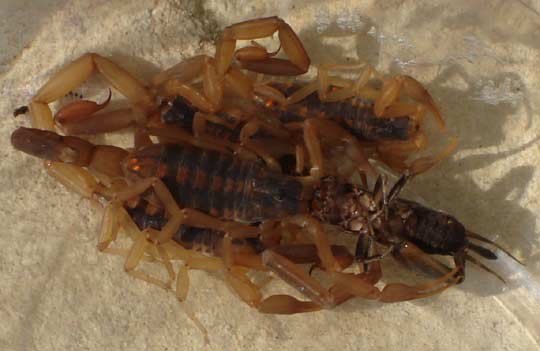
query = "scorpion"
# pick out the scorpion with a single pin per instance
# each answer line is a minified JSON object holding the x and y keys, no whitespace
{"x":188,"y":198}
{"x":353,"y":112}
{"x":246,"y":201}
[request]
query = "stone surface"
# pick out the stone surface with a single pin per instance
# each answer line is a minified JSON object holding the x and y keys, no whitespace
{"x":479,"y":61}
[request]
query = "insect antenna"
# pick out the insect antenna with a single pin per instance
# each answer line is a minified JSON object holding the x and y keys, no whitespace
{"x":482,"y":251}
{"x":481,"y":265}
{"x":481,"y":238}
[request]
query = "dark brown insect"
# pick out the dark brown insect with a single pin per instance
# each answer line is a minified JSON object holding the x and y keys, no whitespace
{"x":382,"y":217}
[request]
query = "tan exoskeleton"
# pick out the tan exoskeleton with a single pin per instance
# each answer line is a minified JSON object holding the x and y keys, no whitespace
{"x":115,"y":174}
{"x":240,"y":199}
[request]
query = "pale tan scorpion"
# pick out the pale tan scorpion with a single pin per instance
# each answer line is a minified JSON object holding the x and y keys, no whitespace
{"x":243,"y":230}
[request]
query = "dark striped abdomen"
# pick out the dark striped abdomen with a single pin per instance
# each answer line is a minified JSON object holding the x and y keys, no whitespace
{"x":354,"y":114}
{"x":433,"y":231}
{"x":227,"y":187}
{"x":182,"y":114}
{"x":207,"y":241}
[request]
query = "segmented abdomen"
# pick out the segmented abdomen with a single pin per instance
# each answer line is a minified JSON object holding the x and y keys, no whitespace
{"x":182,"y":114}
{"x":207,"y":241}
{"x":433,"y":231}
{"x":354,"y":114}
{"x":227,"y":187}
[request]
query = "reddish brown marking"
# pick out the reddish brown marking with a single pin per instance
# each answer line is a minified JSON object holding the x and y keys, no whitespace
{"x":134,"y":165}
{"x":229,"y":185}
{"x":239,"y":186}
{"x":182,"y":175}
{"x":200,"y":179}
{"x":217,"y":183}
{"x":214,"y":212}
{"x":162,"y":170}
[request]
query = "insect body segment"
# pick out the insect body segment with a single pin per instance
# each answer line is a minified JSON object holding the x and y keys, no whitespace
{"x":396,"y":222}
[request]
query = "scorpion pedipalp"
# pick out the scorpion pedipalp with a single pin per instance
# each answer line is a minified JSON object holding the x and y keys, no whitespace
{"x":297,"y":63}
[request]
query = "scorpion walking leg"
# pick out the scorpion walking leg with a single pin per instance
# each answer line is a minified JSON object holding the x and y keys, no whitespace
{"x":347,"y":90}
{"x":172,"y":83}
{"x":345,"y":287}
{"x":424,"y":163}
{"x":326,"y":128}
{"x":402,"y":292}
{"x":391,"y":91}
{"x":317,"y":235}
{"x":250,"y":129}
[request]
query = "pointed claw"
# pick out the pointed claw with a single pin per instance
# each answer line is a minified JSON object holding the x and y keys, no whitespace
{"x":79,"y":110}
{"x":417,"y":92}
{"x":124,"y":82}
{"x":424,"y":163}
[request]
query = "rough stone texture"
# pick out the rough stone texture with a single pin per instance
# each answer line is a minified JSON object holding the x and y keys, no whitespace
{"x":479,"y":61}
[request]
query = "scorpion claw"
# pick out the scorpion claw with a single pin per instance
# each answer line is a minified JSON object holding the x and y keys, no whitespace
{"x":258,"y":59}
{"x":417,"y":92}
{"x":79,"y":110}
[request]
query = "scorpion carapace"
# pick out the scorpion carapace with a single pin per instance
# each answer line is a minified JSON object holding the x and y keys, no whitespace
{"x":393,"y":222}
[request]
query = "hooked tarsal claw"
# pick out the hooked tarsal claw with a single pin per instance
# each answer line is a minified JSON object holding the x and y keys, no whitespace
{"x":79,"y":110}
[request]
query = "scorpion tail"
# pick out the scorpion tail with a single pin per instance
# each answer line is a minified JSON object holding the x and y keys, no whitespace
{"x":485,"y":240}
{"x":482,"y":266}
